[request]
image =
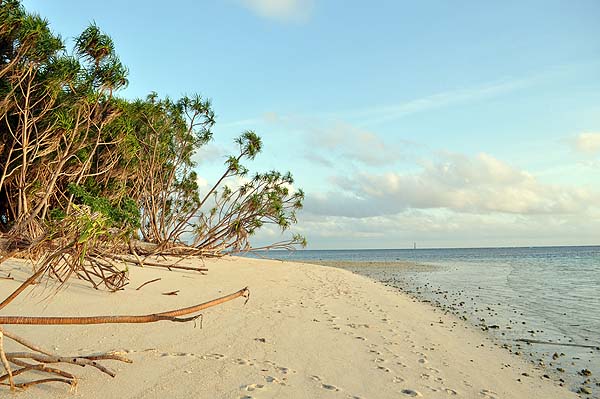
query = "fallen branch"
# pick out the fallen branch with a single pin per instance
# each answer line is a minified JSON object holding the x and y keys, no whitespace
{"x":147,"y":282}
{"x":155,"y":264}
{"x":170,"y":315}
{"x":22,"y":287}
{"x":535,"y":341}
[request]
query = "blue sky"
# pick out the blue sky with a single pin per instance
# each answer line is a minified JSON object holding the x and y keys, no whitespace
{"x":452,"y":124}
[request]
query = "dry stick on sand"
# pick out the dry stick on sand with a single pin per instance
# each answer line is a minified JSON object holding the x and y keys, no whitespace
{"x":44,"y":357}
{"x":171,"y":315}
{"x":156,"y":264}
{"x":148,"y":282}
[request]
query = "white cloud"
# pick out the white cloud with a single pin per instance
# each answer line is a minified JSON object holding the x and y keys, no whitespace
{"x":210,"y":153}
{"x":202,"y":183}
{"x":588,"y":142}
{"x":281,"y":10}
{"x":390,"y":112}
{"x":446,"y":228}
{"x":349,"y":143}
{"x":478,"y":185}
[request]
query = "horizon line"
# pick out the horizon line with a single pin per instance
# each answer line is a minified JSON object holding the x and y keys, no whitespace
{"x":416,"y":249}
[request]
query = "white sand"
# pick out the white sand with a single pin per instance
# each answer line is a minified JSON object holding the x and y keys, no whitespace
{"x":327,"y":334}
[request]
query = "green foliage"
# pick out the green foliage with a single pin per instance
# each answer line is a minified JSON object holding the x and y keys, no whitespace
{"x":125,"y":213}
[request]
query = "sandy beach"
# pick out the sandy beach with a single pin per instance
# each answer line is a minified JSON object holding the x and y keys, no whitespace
{"x":308,"y":331}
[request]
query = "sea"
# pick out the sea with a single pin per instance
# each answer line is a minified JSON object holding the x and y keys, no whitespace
{"x":543,"y":294}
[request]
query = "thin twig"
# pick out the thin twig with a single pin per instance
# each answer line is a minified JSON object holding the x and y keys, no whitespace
{"x":22,"y":287}
{"x":148,"y":282}
{"x":26,"y":343}
{"x":5,"y":361}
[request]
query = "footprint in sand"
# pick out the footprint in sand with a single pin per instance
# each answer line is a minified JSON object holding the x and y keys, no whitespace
{"x":274,"y":380}
{"x":285,"y":370}
{"x":432,"y":389}
{"x":182,"y":354}
{"x":486,"y":393}
{"x":213,"y":356}
{"x":252,"y":387}
{"x":384,"y":369}
{"x":398,"y":379}
{"x":422,"y":360}
{"x":450,"y":391}
{"x":411,"y":392}
{"x":330,"y":387}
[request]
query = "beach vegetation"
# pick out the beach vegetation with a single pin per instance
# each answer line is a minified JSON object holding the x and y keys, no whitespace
{"x":67,"y":141}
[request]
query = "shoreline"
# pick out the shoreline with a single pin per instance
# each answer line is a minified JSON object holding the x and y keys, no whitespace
{"x":561,"y":361}
{"x":307,"y":331}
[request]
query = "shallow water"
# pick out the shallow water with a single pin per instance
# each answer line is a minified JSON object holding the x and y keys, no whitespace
{"x":542,"y":293}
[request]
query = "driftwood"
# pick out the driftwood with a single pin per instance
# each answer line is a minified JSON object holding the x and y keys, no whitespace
{"x":41,"y":359}
{"x":171,"y":315}
{"x":535,"y":341}
{"x":148,"y":282}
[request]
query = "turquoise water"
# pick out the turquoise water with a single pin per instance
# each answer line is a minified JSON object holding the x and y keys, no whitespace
{"x":542,"y":293}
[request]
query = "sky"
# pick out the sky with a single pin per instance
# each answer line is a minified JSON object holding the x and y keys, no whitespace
{"x":448,"y":124}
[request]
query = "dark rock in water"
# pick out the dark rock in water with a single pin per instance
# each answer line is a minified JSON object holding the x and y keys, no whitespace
{"x":585,"y":372}
{"x":585,"y":390}
{"x":560,"y":369}
{"x":555,"y":356}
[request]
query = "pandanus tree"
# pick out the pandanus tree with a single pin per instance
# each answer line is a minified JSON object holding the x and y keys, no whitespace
{"x":56,"y":108}
{"x":71,"y":151}
{"x":235,"y":214}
